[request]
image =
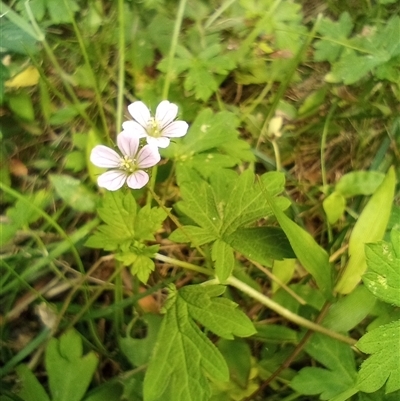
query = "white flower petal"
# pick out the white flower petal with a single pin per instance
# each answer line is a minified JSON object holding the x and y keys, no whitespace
{"x":134,"y":128}
{"x":137,"y":180}
{"x":148,"y":157}
{"x":112,"y":180}
{"x":128,"y":144}
{"x":175,"y":129}
{"x":161,"y":142}
{"x":165,"y":113}
{"x":102,"y":156}
{"x":140,"y":112}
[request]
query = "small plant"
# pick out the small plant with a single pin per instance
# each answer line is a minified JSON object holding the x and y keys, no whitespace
{"x":238,"y":241}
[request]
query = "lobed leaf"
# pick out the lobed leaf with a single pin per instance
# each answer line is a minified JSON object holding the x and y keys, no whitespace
{"x":220,"y":315}
{"x":334,"y":37}
{"x":383,"y":366}
{"x":221,"y":207}
{"x":222,"y":255}
{"x":262,"y":244}
{"x":118,"y":211}
{"x":183,"y":355}
{"x":69,"y":372}
{"x":30,"y":387}
{"x":340,"y":375}
{"x":210,"y":132}
{"x":383,"y":276}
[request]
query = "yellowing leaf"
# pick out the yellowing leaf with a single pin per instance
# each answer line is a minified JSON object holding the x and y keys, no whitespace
{"x":28,"y":77}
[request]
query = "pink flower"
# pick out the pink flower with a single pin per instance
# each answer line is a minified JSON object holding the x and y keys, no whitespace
{"x":126,"y":168}
{"x":157,"y":130}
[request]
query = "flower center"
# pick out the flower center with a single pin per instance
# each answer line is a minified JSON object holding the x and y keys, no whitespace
{"x":128,"y":164}
{"x":153,"y":128}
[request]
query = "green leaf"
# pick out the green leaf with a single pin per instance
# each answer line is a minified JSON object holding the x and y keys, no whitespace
{"x":59,"y":12}
{"x":138,"y":350}
{"x":21,"y":215}
{"x":209,"y":130}
{"x":313,"y":257}
{"x":203,"y":70}
{"x":359,"y":183}
{"x":334,"y":206}
{"x":181,"y":357}
{"x":200,"y":80}
{"x":160,"y":31}
{"x":21,"y":104}
{"x":118,"y":211}
{"x":183,"y":354}
{"x":73,"y":193}
{"x":383,"y":275}
{"x":372,"y":50}
{"x":334,"y":36}
{"x":66,"y":114}
{"x":17,"y":38}
{"x":339,"y":376}
{"x":75,"y":161}
{"x":109,"y":391}
{"x":207,"y":163}
{"x":370,"y":227}
{"x":283,"y":270}
{"x":31,"y":389}
{"x":199,"y":202}
{"x":69,"y":372}
{"x":208,"y":133}
{"x":193,"y":234}
{"x":148,"y":221}
{"x":221,"y":207}
{"x":126,"y":231}
{"x":142,"y":267}
{"x":352,"y":67}
{"x":222,"y":255}
{"x":262,"y":244}
{"x":141,"y":51}
{"x":383,"y":366}
{"x":247,"y":202}
{"x":237,"y":354}
{"x":220,"y":315}
{"x":350,"y":310}
{"x":273,"y":333}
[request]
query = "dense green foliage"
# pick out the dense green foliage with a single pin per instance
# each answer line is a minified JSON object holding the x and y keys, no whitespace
{"x":261,"y":261}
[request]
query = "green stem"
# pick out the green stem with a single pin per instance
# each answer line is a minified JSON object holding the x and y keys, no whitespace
{"x":260,"y":26}
{"x":277,"y":155}
{"x":121,"y":63}
{"x":177,"y":223}
{"x":172,"y":50}
{"x":64,"y":235}
{"x":218,"y":12}
{"x":93,"y":78}
{"x":323,"y":146}
{"x":323,"y":162}
{"x":151,"y":185}
{"x":48,"y":218}
{"x":287,"y":314}
{"x":185,"y":265}
{"x":240,"y":285}
{"x":60,"y":72}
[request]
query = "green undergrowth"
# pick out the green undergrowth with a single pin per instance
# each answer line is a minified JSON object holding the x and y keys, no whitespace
{"x":261,"y":260}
